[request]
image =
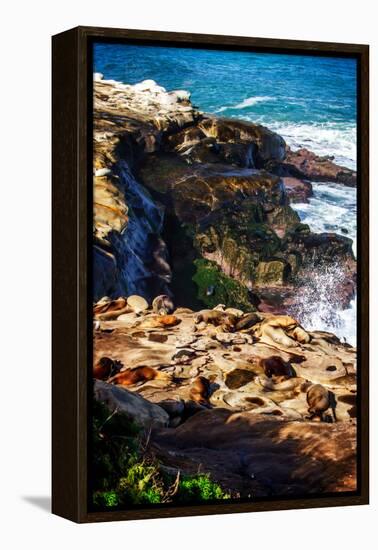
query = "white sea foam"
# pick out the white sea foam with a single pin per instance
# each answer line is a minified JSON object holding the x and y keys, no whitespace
{"x":331,"y":209}
{"x":328,"y":138}
{"x":316,"y":307}
{"x":248,"y":102}
{"x":252,"y":101}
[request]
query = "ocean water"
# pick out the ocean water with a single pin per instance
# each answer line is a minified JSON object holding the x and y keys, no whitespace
{"x":310,"y":101}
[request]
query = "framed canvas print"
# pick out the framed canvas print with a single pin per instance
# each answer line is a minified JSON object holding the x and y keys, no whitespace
{"x":210,"y":274}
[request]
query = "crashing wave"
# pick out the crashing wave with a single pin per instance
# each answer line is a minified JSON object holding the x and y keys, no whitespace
{"x":317,"y":307}
{"x":328,"y":138}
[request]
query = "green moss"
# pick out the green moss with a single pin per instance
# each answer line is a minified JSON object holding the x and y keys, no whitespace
{"x":200,"y":488}
{"x":224,"y":289}
{"x":105,"y":499}
{"x":124,"y":474}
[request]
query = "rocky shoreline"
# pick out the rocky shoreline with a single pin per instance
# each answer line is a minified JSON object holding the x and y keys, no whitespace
{"x":195,"y":209}
{"x":251,"y":430}
{"x":179,"y":194}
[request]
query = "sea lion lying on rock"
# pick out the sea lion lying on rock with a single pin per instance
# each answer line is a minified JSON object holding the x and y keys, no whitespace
{"x":217,"y":318}
{"x":200,"y":391}
{"x":105,"y":368}
{"x":163,"y":305}
{"x":107,"y":309}
{"x":319,"y":400}
{"x":130,"y":377}
{"x":158,"y":321}
{"x":275,"y":367}
{"x":248,"y":320}
{"x":282,"y":330}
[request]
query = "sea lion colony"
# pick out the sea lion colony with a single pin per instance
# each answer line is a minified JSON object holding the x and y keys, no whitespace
{"x":163,"y":352}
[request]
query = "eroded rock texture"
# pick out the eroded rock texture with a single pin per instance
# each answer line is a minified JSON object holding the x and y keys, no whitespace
{"x":199,"y":207}
{"x":252,"y":430}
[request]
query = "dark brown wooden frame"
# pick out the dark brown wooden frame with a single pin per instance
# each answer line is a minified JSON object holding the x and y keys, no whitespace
{"x":71,"y":331}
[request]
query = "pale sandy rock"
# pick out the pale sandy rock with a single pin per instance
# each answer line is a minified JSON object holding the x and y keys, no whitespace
{"x":137,"y":303}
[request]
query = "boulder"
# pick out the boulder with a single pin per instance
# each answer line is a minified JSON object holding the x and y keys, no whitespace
{"x":138,"y":409}
{"x":306,"y":164}
{"x":269,"y":145}
{"x":137,"y":303}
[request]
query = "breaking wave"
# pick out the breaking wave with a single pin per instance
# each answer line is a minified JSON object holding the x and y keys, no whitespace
{"x":249,"y":102}
{"x":332,"y":209}
{"x":316,"y":306}
{"x":328,"y":138}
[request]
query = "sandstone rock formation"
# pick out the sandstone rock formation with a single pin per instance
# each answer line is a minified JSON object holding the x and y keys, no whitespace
{"x":255,"y":436}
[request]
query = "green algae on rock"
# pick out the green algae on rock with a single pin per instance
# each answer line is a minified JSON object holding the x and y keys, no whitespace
{"x":214,"y":287}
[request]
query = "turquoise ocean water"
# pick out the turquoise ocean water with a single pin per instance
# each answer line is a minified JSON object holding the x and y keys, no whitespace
{"x":310,"y":101}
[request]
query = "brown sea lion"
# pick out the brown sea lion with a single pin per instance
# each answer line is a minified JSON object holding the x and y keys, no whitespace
{"x":248,"y":321}
{"x":105,"y":368}
{"x":163,"y":305}
{"x":276,"y":366}
{"x":217,"y":318}
{"x":319,"y":400}
{"x":107,"y":309}
{"x":130,"y":377}
{"x":200,"y":391}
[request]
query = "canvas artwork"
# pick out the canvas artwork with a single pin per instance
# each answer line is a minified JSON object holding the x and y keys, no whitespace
{"x":224,"y":276}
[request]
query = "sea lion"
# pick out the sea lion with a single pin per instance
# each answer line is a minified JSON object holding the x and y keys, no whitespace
{"x":319,"y":400}
{"x":163,"y":305}
{"x":130,"y":377}
{"x":300,"y":335}
{"x":217,"y":318}
{"x":248,"y":320}
{"x":158,"y":321}
{"x":105,"y":368}
{"x":275,"y":366}
{"x":200,"y":391}
{"x":282,"y":330}
{"x":107,"y":309}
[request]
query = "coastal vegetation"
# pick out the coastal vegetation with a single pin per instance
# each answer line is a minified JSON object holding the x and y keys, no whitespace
{"x":124,"y":474}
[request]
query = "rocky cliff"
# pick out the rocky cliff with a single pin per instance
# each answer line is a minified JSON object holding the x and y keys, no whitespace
{"x":198,"y":207}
